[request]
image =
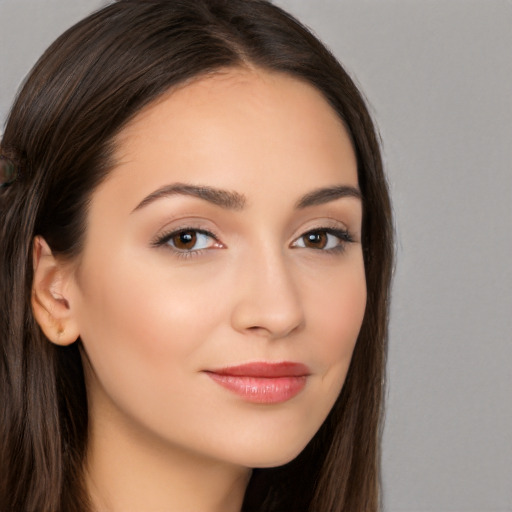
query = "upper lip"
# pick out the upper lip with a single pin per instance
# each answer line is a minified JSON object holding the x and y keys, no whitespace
{"x":265,"y":369}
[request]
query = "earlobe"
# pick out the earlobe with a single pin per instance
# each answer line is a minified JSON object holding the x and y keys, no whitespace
{"x":50,"y":304}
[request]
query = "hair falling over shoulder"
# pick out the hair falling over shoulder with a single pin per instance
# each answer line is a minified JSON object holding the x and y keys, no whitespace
{"x":59,"y":135}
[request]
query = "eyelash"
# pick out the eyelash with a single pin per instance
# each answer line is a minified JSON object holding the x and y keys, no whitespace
{"x":164,"y":239}
{"x":343,"y":236}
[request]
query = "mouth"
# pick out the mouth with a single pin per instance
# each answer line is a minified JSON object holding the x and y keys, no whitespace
{"x":263,"y":382}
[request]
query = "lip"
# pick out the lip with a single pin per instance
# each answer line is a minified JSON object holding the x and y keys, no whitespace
{"x":263,"y":382}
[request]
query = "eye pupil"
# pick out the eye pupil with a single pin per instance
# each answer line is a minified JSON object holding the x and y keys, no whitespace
{"x":316,"y":239}
{"x":185,"y":240}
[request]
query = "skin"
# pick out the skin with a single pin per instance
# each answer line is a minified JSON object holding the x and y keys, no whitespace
{"x":163,"y":435}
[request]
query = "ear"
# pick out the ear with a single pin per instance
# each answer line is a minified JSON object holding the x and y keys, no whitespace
{"x":50,"y":304}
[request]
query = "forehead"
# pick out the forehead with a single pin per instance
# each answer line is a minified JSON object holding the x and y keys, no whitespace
{"x":245,"y":127}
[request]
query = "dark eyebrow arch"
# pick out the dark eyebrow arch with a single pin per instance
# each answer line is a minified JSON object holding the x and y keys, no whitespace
{"x":328,"y":194}
{"x":218,"y":197}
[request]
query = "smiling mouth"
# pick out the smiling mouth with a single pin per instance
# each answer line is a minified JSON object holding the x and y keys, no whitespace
{"x":262,"y":382}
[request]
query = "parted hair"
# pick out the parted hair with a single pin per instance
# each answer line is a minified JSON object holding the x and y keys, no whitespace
{"x":60,"y":136}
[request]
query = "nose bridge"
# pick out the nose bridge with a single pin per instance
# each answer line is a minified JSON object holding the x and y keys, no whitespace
{"x":269,"y":301}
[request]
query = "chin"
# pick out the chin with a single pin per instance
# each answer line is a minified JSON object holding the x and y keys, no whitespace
{"x":268,"y":455}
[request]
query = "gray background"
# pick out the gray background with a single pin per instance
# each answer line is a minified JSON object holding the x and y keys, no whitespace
{"x":438,"y":75}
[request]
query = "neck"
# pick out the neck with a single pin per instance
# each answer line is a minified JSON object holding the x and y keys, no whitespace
{"x":129,"y":470}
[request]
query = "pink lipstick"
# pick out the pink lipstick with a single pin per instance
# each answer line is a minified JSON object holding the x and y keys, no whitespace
{"x":262,"y":382}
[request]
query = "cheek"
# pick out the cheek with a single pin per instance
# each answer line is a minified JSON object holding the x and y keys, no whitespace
{"x":144,"y":344}
{"x":137,"y":326}
{"x":142,"y":308}
{"x":337,"y":309}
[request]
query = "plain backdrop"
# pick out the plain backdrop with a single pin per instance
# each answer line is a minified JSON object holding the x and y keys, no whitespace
{"x":438,"y":78}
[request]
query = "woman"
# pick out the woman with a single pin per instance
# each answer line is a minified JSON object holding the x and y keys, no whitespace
{"x":196,"y":253}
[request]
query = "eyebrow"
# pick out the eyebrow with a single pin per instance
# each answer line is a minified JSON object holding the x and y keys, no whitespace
{"x":231,"y":200}
{"x":328,"y":194}
{"x":223,"y":198}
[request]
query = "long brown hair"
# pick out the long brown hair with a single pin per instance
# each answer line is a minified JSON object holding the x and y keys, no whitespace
{"x":85,"y":88}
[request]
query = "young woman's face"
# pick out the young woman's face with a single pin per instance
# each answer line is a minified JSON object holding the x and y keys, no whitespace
{"x":222,"y":288}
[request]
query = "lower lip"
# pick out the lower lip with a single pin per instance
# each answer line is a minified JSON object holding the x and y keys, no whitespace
{"x":261,"y":390}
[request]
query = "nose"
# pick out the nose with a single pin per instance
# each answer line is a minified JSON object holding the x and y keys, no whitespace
{"x":268,"y":300}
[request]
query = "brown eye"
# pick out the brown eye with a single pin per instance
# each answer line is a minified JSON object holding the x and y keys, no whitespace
{"x":315,"y":239}
{"x":189,"y":240}
{"x":184,"y":240}
{"x":326,"y":240}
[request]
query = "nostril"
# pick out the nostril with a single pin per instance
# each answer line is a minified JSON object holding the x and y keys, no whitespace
{"x":273,"y":332}
{"x":257,"y":329}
